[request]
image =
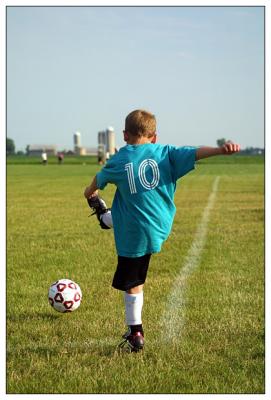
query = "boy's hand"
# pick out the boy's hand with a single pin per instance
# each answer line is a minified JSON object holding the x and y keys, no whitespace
{"x":94,"y":194}
{"x":230,"y":148}
{"x":92,"y":189}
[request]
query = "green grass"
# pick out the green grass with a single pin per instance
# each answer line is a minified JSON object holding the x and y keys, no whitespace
{"x":52,"y":160}
{"x":234,"y":159}
{"x":49,"y":236}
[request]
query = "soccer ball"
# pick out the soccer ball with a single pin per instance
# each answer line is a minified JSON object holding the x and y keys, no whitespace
{"x":65,"y":295}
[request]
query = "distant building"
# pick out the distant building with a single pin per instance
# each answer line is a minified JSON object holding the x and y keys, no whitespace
{"x":79,"y":150}
{"x":90,"y":151}
{"x":253,"y":151}
{"x":86,"y":151}
{"x":38,"y":149}
{"x":106,"y":144}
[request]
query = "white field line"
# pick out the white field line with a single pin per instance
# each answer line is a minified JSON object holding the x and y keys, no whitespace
{"x":174,"y":315}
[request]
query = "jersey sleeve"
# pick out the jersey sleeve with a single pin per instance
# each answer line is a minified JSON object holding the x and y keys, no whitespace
{"x":109,"y":173}
{"x":182,"y":160}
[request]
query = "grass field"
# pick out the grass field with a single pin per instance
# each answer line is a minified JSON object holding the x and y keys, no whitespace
{"x":220,"y":347}
{"x":52,"y":160}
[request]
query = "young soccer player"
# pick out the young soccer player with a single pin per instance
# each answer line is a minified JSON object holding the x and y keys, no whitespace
{"x":145,"y":174}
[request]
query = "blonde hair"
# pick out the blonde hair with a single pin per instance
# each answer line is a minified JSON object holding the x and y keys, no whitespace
{"x":140,"y":123}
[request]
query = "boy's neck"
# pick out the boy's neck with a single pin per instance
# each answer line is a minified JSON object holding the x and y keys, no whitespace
{"x":138,"y":140}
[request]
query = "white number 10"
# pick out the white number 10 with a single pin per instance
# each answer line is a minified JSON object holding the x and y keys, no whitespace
{"x":142,"y":175}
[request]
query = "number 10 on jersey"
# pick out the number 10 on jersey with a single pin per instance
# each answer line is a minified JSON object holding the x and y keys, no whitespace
{"x":142,"y":175}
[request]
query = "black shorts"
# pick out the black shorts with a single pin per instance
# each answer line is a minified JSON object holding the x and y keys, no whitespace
{"x":131,"y":272}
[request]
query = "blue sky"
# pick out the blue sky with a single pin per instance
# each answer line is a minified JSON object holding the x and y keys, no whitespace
{"x":200,"y":70}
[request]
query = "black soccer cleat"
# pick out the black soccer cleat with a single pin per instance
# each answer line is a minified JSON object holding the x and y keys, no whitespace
{"x":134,"y":342}
{"x":99,"y":207}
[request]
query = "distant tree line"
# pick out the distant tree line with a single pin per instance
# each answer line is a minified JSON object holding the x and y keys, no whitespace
{"x":10,"y":148}
{"x":247,"y":151}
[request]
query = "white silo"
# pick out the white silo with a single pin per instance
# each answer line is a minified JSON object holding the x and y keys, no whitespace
{"x":102,"y":138}
{"x":77,"y":142}
{"x":101,"y":147}
{"x":77,"y":139}
{"x":111,"y":142}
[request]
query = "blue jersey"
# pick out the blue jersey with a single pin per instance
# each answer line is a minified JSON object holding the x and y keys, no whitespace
{"x":143,"y":207}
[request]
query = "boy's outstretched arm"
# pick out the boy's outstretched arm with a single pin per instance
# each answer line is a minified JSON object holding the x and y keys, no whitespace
{"x":227,"y":149}
{"x":91,"y":189}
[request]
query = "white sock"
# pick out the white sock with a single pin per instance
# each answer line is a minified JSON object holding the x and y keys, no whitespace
{"x":107,"y":219}
{"x":133,"y":308}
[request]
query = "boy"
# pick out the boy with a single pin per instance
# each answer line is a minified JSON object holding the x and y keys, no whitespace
{"x":143,"y":209}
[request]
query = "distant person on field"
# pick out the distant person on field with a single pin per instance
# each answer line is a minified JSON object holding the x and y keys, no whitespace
{"x":101,"y":158}
{"x":60,"y":157}
{"x":44,"y":158}
{"x":145,"y":175}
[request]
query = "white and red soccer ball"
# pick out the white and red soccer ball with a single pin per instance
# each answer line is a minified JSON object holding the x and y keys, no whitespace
{"x":65,"y":295}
